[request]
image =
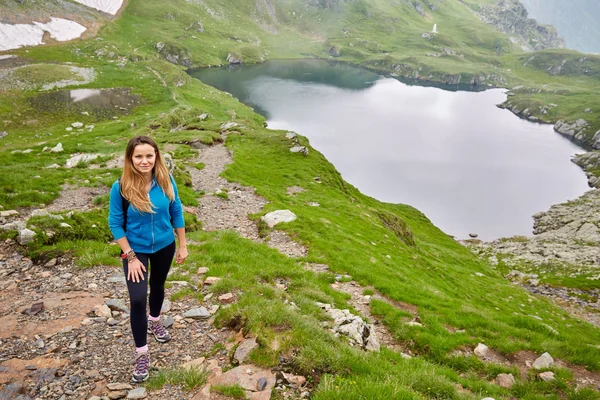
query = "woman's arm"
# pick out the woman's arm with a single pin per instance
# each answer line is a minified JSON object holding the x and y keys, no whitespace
{"x":182,"y":252}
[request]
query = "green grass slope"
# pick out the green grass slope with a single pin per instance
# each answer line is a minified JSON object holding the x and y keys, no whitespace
{"x":393,"y":249}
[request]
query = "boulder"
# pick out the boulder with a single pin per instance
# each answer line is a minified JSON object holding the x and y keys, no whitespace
{"x":76,"y":159}
{"x":279,"y":216}
{"x":544,"y":361}
{"x":244,"y":349}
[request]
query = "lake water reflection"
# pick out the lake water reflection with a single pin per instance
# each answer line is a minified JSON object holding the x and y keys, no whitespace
{"x":468,"y":165}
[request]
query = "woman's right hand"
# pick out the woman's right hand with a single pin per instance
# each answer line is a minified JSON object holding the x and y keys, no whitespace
{"x":135,"y":271}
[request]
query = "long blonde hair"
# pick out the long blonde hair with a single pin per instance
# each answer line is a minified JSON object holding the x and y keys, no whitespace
{"x":132,"y":182}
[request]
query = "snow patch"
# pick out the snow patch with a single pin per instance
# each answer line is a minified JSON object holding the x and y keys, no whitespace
{"x":108,"y":6}
{"x":62,"y":29}
{"x":19,"y":35}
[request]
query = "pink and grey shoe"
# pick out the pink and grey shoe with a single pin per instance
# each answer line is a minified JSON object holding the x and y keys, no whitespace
{"x":142,"y":366}
{"x":158,"y":330}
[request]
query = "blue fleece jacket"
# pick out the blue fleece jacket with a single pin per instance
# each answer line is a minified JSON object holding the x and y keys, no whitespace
{"x":146,"y":232}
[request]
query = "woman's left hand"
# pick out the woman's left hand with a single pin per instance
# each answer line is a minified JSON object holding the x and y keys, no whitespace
{"x":182,"y":254}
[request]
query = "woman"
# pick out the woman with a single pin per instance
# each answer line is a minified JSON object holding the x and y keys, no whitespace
{"x":144,"y":209}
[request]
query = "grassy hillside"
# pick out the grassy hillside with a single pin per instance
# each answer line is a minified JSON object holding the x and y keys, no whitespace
{"x":392,"y":249}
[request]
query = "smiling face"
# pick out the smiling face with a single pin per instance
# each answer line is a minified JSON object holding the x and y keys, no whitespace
{"x":143,"y":159}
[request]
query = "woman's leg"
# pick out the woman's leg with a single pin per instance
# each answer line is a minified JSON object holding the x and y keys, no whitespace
{"x":160,"y":264}
{"x":138,"y":293}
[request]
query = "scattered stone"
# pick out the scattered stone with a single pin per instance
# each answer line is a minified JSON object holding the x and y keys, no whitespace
{"x":202,"y":271}
{"x":197,"y":313}
{"x":276,"y":217}
{"x":505,"y":380}
{"x":244,"y":349}
{"x":117,"y":305}
{"x":138,"y":393}
{"x":481,"y":350}
{"x":8,"y":213}
{"x":78,"y":158}
{"x":299,"y":149}
{"x":227,"y":298}
{"x":212,"y":280}
{"x":291,"y":135}
{"x":57,"y":149}
{"x":547,"y":376}
{"x":203,"y":117}
{"x":117,"y":395}
{"x":261,"y":384}
{"x":544,"y":361}
{"x":228,"y":125}
{"x":102,"y":311}
{"x":414,"y":323}
{"x":166,"y":306}
{"x":51,"y":263}
{"x":35,"y":309}
{"x":197,"y":363}
{"x":168,"y":321}
{"x":3,"y":134}
{"x":26,"y":236}
{"x":77,"y":125}
{"x":347,"y":324}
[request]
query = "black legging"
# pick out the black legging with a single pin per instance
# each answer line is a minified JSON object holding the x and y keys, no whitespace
{"x":160,"y":263}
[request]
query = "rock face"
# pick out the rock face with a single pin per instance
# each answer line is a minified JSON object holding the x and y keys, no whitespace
{"x":174,"y":54}
{"x":233,"y":58}
{"x":510,"y":18}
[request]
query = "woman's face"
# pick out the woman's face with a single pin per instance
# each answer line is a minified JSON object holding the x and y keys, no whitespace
{"x":143,"y":158}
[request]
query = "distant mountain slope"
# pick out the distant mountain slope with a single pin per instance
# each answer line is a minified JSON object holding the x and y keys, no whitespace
{"x":578,"y":21}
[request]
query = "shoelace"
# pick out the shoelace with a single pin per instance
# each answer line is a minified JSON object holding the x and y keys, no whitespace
{"x":158,"y":328}
{"x":142,"y":363}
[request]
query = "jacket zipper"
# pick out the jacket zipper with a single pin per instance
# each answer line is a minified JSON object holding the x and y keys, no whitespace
{"x":152,"y":224}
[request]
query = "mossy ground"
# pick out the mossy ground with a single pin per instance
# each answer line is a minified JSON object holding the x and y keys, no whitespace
{"x":392,"y":248}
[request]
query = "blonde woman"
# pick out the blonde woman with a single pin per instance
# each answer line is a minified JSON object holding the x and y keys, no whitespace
{"x":144,"y":209}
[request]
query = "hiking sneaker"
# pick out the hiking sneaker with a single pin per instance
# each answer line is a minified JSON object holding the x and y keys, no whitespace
{"x":142,"y":365}
{"x":158,"y":330}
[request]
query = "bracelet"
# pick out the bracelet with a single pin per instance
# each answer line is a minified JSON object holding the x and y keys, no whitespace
{"x":131,"y":256}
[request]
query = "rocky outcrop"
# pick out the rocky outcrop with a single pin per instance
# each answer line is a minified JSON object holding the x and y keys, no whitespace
{"x":174,"y":54}
{"x":575,"y":130}
{"x":590,"y":162}
{"x":510,"y":18}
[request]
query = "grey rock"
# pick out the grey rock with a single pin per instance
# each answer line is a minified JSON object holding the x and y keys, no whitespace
{"x":505,"y":380}
{"x":166,"y":306}
{"x":228,"y":125}
{"x":547,"y":376}
{"x":244,"y":349}
{"x":117,"y":305}
{"x":299,"y":149}
{"x":26,"y":236}
{"x":57,"y":149}
{"x":261,"y":384}
{"x":481,"y":350}
{"x":117,"y":279}
{"x":138,"y":393}
{"x":168,"y":321}
{"x":279,"y":216}
{"x":3,"y":134}
{"x":197,"y":313}
{"x":544,"y":361}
